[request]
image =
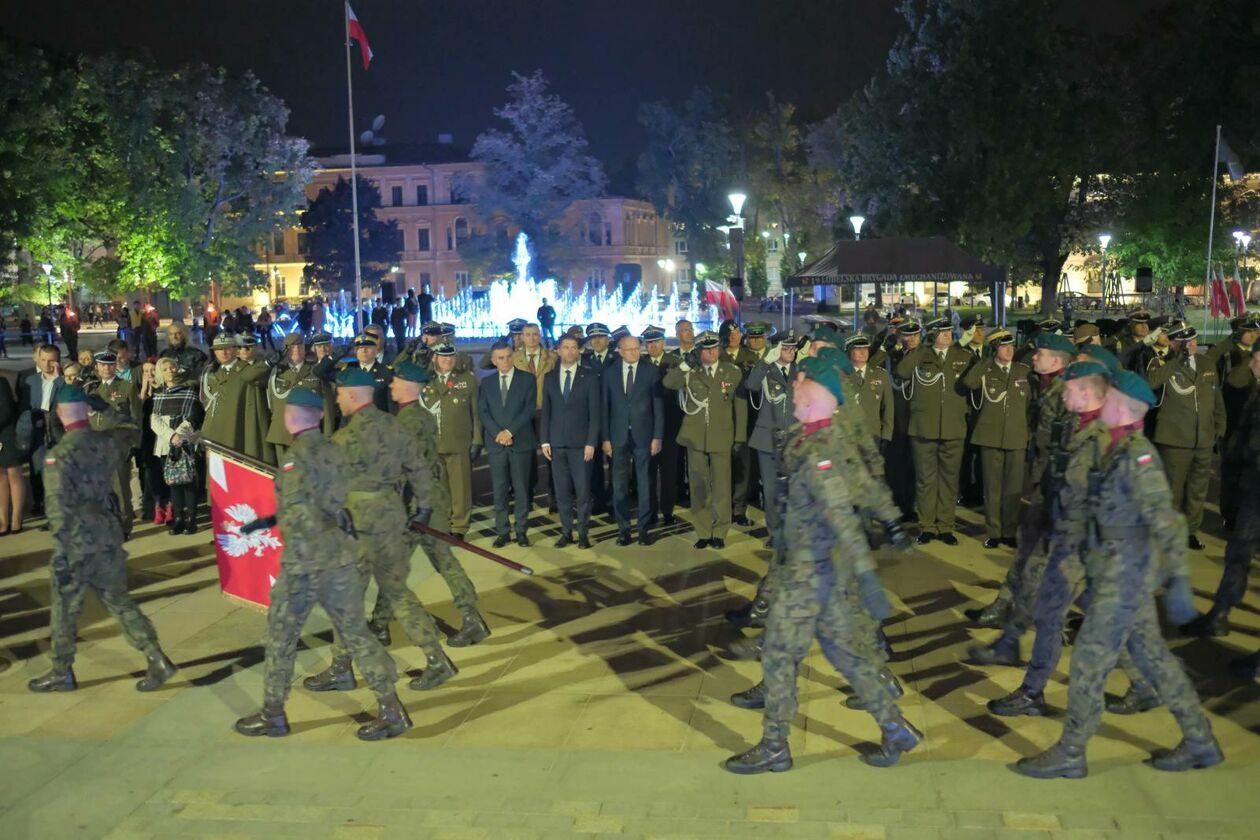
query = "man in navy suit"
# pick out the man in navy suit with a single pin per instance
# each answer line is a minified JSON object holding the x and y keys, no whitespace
{"x":505,"y":403}
{"x":570,"y":431}
{"x":634,"y":424}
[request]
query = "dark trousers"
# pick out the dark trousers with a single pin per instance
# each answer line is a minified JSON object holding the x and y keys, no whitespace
{"x":625,"y":459}
{"x":572,"y":478}
{"x":670,"y":471}
{"x":156,"y":490}
{"x":509,"y":470}
{"x":741,"y":479}
{"x":598,"y":482}
{"x":184,"y":502}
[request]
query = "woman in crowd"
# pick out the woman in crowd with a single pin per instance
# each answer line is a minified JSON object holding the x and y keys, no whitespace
{"x":12,"y":461}
{"x":176,"y":415}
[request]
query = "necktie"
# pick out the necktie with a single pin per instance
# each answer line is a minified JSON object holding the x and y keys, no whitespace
{"x":568,"y":380}
{"x":783,"y":368}
{"x":503,"y":388}
{"x":710,"y":372}
{"x":532,"y":369}
{"x":629,"y":379}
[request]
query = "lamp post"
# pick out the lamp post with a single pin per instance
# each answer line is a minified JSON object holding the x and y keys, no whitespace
{"x":1242,"y":242}
{"x":800,"y":255}
{"x":857,"y":221}
{"x":1104,"y":239}
{"x":48,"y":269}
{"x":736,"y":234}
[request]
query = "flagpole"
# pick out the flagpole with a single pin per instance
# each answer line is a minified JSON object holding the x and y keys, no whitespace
{"x":1216,"y":165}
{"x":354,"y":185}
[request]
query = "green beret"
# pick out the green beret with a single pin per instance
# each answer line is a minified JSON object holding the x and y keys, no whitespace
{"x":827,"y":333}
{"x":837,"y":358}
{"x":411,"y":372}
{"x":305,"y":397}
{"x":825,"y":374}
{"x":71,"y":394}
{"x":1103,"y":356}
{"x":356,"y":377}
{"x":1055,"y":342}
{"x":1132,"y":385}
{"x":1078,"y":370}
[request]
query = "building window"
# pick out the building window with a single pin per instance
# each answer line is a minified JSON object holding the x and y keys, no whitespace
{"x":680,"y":246}
{"x":303,"y":243}
{"x":400,"y":243}
{"x":684,"y":276}
{"x":422,"y":195}
{"x":594,"y":226}
{"x":422,"y":239}
{"x":450,"y":240}
{"x":277,"y":243}
{"x":424,"y":281}
{"x":772,"y":245}
{"x":280,"y":286}
{"x":462,"y":280}
{"x":395,"y":196}
{"x":461,"y":231}
{"x":607,"y":233}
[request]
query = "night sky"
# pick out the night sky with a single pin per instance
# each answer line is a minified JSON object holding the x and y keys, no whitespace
{"x":442,"y":67}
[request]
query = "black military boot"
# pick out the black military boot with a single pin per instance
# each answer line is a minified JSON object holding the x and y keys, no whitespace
{"x":753,"y":698}
{"x":752,"y":614}
{"x":1065,"y":760}
{"x":473,"y":630}
{"x":890,"y":684}
{"x":1246,"y":667}
{"x":897,"y":737}
{"x":160,"y":670}
{"x":992,"y":616}
{"x":1021,"y":701}
{"x":746,"y":648}
{"x":270,"y":722}
{"x":380,"y":629}
{"x":391,"y":720}
{"x":338,"y":676}
{"x":1214,"y":622}
{"x":1000,"y":652}
{"x":767,"y":756}
{"x":1190,"y":754}
{"x":1133,"y":702}
{"x":58,"y":679}
{"x":175,"y":525}
{"x":438,"y":670}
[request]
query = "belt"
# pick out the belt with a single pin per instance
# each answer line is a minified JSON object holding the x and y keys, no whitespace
{"x":364,"y":495}
{"x":1122,"y":532}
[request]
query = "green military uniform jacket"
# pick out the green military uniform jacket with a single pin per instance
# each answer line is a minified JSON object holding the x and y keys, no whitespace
{"x":1232,"y":362}
{"x":1192,"y":408}
{"x":872,"y":394}
{"x":459,"y":425}
{"x":311,"y":490}
{"x":249,"y":380}
{"x":124,"y":398}
{"x":1085,"y":451}
{"x":901,"y":393}
{"x":79,"y":472}
{"x":383,"y":459}
{"x":419,"y":422}
{"x":284,"y":378}
{"x":1004,"y":399}
{"x":222,"y":415}
{"x":938,"y":403}
{"x":1052,"y":423}
{"x":715,"y":417}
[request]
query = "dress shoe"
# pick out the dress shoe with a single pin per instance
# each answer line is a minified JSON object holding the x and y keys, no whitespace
{"x":701,"y":544}
{"x":1133,"y":702}
{"x":748,"y":649}
{"x":1246,"y":667}
{"x":391,"y":720}
{"x":767,"y":756}
{"x":992,"y":543}
{"x":896,"y":738}
{"x":742,"y":521}
{"x":380,"y":629}
{"x":998,"y":653}
{"x":753,"y":698}
{"x":1190,"y":754}
{"x":270,"y":722}
{"x":752,"y":614}
{"x":926,"y":537}
{"x":646,"y":539}
{"x":993,"y":616}
{"x":564,"y":541}
{"x":668,"y":519}
{"x":58,"y":679}
{"x":1062,"y":761}
{"x":160,"y":669}
{"x":584,"y":541}
{"x":947,"y":538}
{"x":338,"y":676}
{"x":1010,"y":542}
{"x":1021,"y":701}
{"x":473,"y":630}
{"x":522,"y":541}
{"x":438,"y":669}
{"x":1212,"y":623}
{"x":623,"y":538}
{"x":1193,"y":543}
{"x":717,"y":542}
{"x":501,"y":540}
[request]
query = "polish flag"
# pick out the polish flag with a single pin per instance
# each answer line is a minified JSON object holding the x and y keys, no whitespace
{"x":721,"y":296}
{"x":354,"y":30}
{"x":1217,"y":296}
{"x":1236,"y":297}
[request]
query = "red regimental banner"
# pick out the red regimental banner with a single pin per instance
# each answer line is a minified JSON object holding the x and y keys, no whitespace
{"x":248,"y":563}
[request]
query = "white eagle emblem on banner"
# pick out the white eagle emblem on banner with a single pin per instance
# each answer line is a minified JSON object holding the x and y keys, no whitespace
{"x":234,"y":543}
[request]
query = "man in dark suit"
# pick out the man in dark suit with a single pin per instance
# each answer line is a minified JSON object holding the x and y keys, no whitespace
{"x":634,"y":424}
{"x":505,"y":403}
{"x":570,"y":431}
{"x":36,"y":391}
{"x":596,"y":357}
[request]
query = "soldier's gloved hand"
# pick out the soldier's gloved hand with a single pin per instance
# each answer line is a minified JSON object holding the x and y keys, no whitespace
{"x":1179,"y":601}
{"x":897,"y":536}
{"x":772,"y":353}
{"x":871,"y":588}
{"x":690,"y":360}
{"x":421,"y":516}
{"x":474,"y":452}
{"x":97,"y":403}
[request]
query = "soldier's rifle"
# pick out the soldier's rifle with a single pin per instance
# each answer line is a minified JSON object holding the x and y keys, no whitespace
{"x":420,"y":528}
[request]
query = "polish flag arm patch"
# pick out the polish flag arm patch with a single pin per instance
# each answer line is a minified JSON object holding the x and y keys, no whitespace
{"x":1144,"y":459}
{"x":824,"y":465}
{"x":289,"y":466}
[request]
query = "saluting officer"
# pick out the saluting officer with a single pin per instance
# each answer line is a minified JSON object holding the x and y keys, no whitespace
{"x":294,"y":371}
{"x":367,"y":351}
{"x":872,"y":390}
{"x":938,"y":426}
{"x":744,"y":472}
{"x":898,"y":460}
{"x":971,"y":478}
{"x":1001,"y":434}
{"x":452,"y":397}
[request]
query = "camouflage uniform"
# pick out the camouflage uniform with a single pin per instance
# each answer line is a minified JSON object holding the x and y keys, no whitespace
{"x":318,"y":566}
{"x":124,"y":398}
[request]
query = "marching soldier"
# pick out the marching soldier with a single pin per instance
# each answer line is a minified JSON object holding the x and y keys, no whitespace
{"x":898,"y":458}
{"x":318,"y":566}
{"x":715,"y":425}
{"x":1191,"y":419}
{"x":827,"y":559}
{"x":408,"y":383}
{"x":872,"y":390}
{"x":293,"y":371}
{"x":1001,"y":434}
{"x":382,"y":457}
{"x":938,"y":425}
{"x":123,"y":397}
{"x":83,"y":520}
{"x":1231,"y":359}
{"x":1130,"y":512}
{"x":451,"y":396}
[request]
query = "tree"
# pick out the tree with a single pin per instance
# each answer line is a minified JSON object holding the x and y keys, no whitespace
{"x":329,"y":225}
{"x":536,"y":168}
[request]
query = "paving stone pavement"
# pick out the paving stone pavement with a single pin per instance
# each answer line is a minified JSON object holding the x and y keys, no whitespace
{"x":598,"y":708}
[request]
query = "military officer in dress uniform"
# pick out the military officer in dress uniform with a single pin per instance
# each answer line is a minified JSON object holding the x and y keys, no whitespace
{"x":367,"y":351}
{"x":971,"y":478}
{"x":745,"y":471}
{"x":294,"y":370}
{"x":123,"y":397}
{"x":898,"y":460}
{"x":1000,"y":387}
{"x":938,"y":426}
{"x":769,"y":386}
{"x":452,"y":397}
{"x":597,"y":357}
{"x":420,"y":351}
{"x":1191,"y":420}
{"x":715,"y":424}
{"x":871,"y":390}
{"x":1138,"y":328}
{"x":669,"y":467}
{"x":249,"y":376}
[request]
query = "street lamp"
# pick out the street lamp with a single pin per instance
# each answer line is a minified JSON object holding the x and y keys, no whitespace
{"x":737,"y":200}
{"x":1104,"y":239}
{"x":857,"y":221}
{"x":48,"y":268}
{"x":736,"y":235}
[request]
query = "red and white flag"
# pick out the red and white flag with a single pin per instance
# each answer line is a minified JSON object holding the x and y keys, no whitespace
{"x":248,"y":563}
{"x":721,"y":296}
{"x":354,"y":30}
{"x":1218,"y":298}
{"x":1238,"y":301}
